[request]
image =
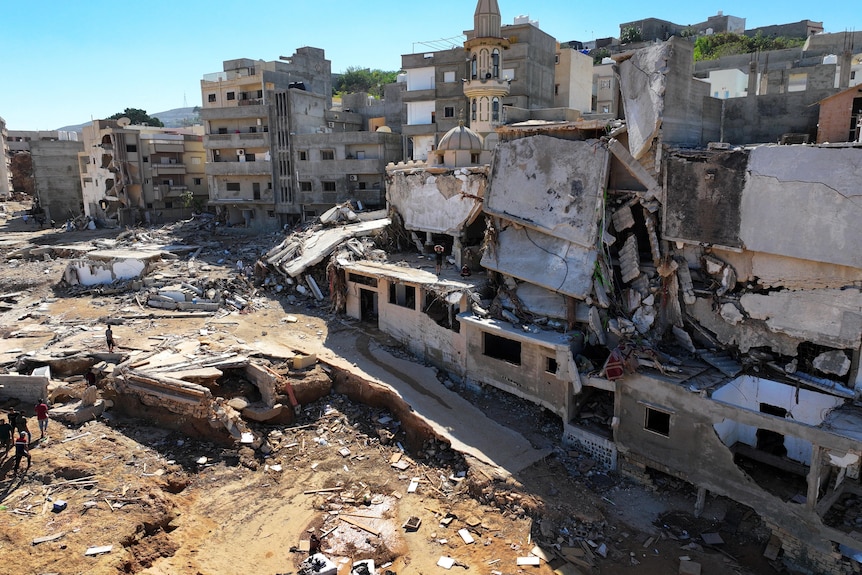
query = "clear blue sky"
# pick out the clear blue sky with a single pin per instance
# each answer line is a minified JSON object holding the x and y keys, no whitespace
{"x":65,"y":62}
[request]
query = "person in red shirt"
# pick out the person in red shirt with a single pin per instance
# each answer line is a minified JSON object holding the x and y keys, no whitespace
{"x":42,"y":416}
{"x":22,"y":450}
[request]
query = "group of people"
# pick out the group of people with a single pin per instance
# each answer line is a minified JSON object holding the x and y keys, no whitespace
{"x":14,"y":432}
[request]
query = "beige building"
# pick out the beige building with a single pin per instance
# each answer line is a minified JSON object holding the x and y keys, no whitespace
{"x":140,"y":173}
{"x":252,"y":110}
{"x":573,"y":79}
{"x":5,"y":172}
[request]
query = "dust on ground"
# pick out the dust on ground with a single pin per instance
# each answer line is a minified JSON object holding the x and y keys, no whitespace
{"x":157,"y":501}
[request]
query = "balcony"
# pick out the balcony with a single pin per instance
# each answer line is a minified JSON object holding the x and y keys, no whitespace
{"x":162,"y":191}
{"x":167,"y":169}
{"x":235,"y":112}
{"x":490,"y":87}
{"x":418,"y":95}
{"x":242,"y":140}
{"x":239,"y":168}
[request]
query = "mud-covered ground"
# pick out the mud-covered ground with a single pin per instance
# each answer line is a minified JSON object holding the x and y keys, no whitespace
{"x":161,"y":502}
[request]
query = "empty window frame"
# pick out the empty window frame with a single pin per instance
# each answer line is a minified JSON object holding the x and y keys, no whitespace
{"x":327,"y":154}
{"x":364,"y":280}
{"x":402,"y":295}
{"x":231,"y":96}
{"x":232,"y":186}
{"x":304,"y":186}
{"x":328,"y":186}
{"x":657,"y":421}
{"x":550,"y":365}
{"x":501,"y":348}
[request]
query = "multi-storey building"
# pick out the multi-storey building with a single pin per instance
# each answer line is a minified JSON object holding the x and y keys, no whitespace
{"x":251,"y":111}
{"x":498,"y":67}
{"x":141,"y":173}
{"x":5,"y":172}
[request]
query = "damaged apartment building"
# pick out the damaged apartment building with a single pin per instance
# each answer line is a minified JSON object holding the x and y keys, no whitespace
{"x":686,"y":307}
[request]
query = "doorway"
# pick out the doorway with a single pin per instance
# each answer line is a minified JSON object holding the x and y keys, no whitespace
{"x":368,"y":305}
{"x":769,"y":441}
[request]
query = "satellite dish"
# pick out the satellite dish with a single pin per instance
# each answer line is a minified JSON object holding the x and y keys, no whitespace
{"x":124,"y":121}
{"x":385,"y":129}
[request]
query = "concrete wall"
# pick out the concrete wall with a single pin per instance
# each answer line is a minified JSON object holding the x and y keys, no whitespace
{"x":436,"y":200}
{"x":58,"y":183}
{"x":758,"y":119}
{"x":26,"y":388}
{"x":440,"y":346}
{"x":811,"y":195}
{"x":552,"y":185}
{"x":804,"y":406}
{"x":529,"y":380}
{"x":574,"y":81}
{"x":694,"y":451}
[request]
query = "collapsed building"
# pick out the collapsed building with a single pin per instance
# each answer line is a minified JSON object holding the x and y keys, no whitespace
{"x":684,"y":308}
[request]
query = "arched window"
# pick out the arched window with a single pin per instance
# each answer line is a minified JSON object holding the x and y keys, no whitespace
{"x":484,"y":64}
{"x":473,"y":109}
{"x":495,"y":63}
{"x":474,"y":69}
{"x":483,"y":109}
{"x":495,"y":110}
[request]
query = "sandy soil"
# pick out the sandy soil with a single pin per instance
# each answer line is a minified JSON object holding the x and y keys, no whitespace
{"x":169,"y":504}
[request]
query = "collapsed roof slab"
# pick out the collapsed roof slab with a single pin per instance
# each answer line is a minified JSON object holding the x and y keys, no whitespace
{"x":829,"y":317}
{"x":544,"y":260}
{"x":642,"y":84}
{"x":551,"y":185}
{"x":323,"y":242}
{"x":430,"y":201}
{"x":812,"y":195}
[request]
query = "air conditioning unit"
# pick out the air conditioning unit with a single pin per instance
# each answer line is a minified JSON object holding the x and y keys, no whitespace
{"x":240,"y":152}
{"x":353,"y":178}
{"x":217,"y":152}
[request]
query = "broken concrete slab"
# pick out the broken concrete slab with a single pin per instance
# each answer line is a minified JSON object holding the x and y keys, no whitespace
{"x":550,"y":185}
{"x":429,"y":201}
{"x":557,"y":264}
{"x":261,"y":413}
{"x":323,"y":242}
{"x":78,"y":412}
{"x":642,"y":84}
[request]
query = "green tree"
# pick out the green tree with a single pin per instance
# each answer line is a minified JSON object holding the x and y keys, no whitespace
{"x":715,"y":46}
{"x":631,"y":34}
{"x":138,"y":117}
{"x":356,"y":79}
{"x":599,"y":55}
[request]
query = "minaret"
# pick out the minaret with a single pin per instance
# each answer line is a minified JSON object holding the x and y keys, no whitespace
{"x":486,"y":87}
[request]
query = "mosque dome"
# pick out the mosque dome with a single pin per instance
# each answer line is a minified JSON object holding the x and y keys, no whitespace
{"x":460,"y":138}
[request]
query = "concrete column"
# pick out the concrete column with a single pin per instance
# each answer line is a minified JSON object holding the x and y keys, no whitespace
{"x":456,"y":251}
{"x":700,"y":502}
{"x":844,"y":63}
{"x":814,"y":475}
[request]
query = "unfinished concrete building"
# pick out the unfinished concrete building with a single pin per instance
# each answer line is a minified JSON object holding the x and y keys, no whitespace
{"x":55,"y":176}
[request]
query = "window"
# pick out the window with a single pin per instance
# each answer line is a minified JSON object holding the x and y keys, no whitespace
{"x":402,"y":295}
{"x":249,"y":157}
{"x":606,"y":109}
{"x":473,"y":110}
{"x":231,"y":96}
{"x":211,"y":97}
{"x":550,"y":365}
{"x":474,"y":68}
{"x":327,"y":154}
{"x":222,"y":130}
{"x":328,"y":186}
{"x":448,"y":76}
{"x":260,"y":93}
{"x":270,"y":213}
{"x":797,"y":83}
{"x":364,"y":280}
{"x":255,"y":190}
{"x":556,"y":89}
{"x":131,"y":148}
{"x":232,"y":186}
{"x":657,"y":421}
{"x":304,"y":186}
{"x":501,"y":348}
{"x":252,"y":129}
{"x":197,"y":181}
{"x":196,"y":161}
{"x":474,"y":158}
{"x":169,"y":205}
{"x":362,"y":185}
{"x":303,"y":155}
{"x":495,"y":63}
{"x":146,"y":159}
{"x":449,"y":112}
{"x":605,"y":84}
{"x":556,"y":58}
{"x":495,"y":110}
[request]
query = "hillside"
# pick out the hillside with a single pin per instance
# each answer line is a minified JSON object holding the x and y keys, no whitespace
{"x":175,"y":118}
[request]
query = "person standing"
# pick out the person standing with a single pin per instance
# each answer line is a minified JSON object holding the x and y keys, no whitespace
{"x":22,"y":450}
{"x":438,"y":257}
{"x":109,"y":338}
{"x":42,"y":416}
{"x":5,"y":437}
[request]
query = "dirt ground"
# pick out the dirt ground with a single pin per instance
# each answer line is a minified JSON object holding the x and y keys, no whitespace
{"x":158,"y":501}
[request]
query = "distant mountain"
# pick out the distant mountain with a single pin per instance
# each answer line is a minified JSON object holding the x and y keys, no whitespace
{"x":176,"y":118}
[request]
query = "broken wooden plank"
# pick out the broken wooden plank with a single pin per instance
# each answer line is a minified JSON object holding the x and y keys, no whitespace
{"x":361,"y":525}
{"x":326,"y":490}
{"x":48,"y":538}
